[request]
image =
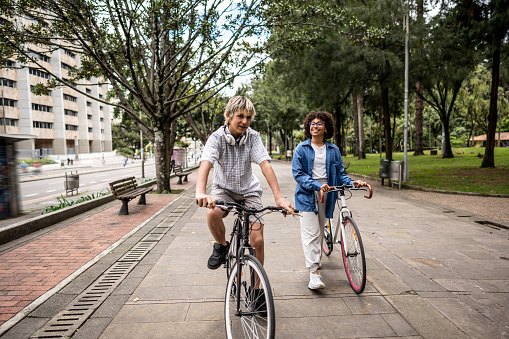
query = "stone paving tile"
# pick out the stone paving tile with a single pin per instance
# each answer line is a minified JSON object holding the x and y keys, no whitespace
{"x":29,"y":271}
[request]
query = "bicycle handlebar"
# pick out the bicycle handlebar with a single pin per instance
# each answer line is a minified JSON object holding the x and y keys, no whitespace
{"x":230,"y":205}
{"x":348,"y":187}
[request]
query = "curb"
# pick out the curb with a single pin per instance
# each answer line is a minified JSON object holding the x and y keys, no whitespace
{"x":22,"y":228}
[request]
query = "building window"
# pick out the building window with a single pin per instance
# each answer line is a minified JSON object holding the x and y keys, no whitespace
{"x":43,"y":124}
{"x":71,"y":127}
{"x":39,"y":73}
{"x":69,"y":53}
{"x":7,"y":82}
{"x":102,"y":119}
{"x":66,"y":66}
{"x":8,"y":102}
{"x":101,"y":108}
{"x":89,"y":104}
{"x":10,"y":63}
{"x":102,"y":130}
{"x":69,"y":112}
{"x":70,"y":98}
{"x":39,"y":56}
{"x":88,"y":90}
{"x":90,"y":130}
{"x":100,"y":96}
{"x":42,"y":108}
{"x":89,"y":116}
{"x":9,"y":122}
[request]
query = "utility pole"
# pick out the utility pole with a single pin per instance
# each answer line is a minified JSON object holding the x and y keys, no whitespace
{"x":406,"y":25}
{"x":141,"y":153}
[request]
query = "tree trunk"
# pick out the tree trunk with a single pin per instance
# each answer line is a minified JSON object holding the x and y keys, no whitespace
{"x":270,"y":141}
{"x":387,"y":123}
{"x":362,"y":146}
{"x":447,"y":134}
{"x":419,"y":137}
{"x":355,"y":124}
{"x":489,"y":152}
{"x":164,"y":140}
{"x":337,"y":128}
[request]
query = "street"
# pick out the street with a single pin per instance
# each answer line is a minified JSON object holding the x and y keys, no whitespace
{"x":40,"y":191}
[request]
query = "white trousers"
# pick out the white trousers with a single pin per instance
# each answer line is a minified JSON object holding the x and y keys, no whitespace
{"x":311,"y":229}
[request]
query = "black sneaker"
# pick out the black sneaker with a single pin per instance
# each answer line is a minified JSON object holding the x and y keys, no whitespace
{"x":259,"y":305}
{"x":218,"y":256}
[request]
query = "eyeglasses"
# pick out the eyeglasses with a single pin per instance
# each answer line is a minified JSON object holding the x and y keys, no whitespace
{"x":317,"y":124}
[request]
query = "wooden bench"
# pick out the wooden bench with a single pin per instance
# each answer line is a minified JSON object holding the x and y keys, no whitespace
{"x":179,"y":171}
{"x":127,"y":189}
{"x":346,"y":164}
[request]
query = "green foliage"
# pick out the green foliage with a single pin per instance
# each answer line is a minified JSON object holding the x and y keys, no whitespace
{"x":63,"y":202}
{"x":30,"y":162}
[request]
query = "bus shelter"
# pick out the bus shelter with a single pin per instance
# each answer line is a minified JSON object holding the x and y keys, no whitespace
{"x":9,"y":188}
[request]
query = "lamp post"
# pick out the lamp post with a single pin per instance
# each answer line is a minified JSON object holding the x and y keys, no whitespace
{"x":141,"y":153}
{"x":405,"y":152}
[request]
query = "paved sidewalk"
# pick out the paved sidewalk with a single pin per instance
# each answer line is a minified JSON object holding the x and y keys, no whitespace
{"x":432,"y":272}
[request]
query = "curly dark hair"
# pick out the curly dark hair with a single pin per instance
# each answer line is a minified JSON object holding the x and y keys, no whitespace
{"x":325,"y":117}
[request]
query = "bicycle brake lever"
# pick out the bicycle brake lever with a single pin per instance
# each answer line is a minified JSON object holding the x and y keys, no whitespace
{"x":370,"y":192}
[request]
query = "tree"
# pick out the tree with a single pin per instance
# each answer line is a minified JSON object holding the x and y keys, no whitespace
{"x":163,"y":58}
{"x":445,"y":61}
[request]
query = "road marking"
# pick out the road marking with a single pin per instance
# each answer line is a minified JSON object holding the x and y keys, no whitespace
{"x":50,"y":191}
{"x":31,"y":195}
{"x":92,"y":182}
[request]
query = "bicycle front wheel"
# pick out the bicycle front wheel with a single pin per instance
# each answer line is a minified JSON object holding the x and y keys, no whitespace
{"x":327,"y":242}
{"x":353,"y":255}
{"x":244,"y":311}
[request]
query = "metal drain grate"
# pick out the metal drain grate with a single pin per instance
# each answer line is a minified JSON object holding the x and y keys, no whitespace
{"x":66,"y":322}
{"x":138,"y":251}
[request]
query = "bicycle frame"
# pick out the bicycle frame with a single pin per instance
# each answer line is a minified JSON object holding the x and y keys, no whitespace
{"x":339,"y":226}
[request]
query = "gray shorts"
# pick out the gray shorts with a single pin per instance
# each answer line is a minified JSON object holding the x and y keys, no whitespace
{"x":252,"y":202}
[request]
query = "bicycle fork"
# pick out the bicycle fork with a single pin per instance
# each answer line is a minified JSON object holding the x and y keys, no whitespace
{"x":344,"y":211}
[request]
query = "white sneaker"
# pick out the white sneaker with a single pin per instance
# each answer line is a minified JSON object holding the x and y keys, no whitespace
{"x":315,"y":282}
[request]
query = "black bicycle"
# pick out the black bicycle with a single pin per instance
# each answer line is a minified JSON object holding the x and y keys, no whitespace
{"x":249,"y":305}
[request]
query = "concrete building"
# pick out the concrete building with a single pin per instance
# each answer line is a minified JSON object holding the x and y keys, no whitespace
{"x":64,"y":122}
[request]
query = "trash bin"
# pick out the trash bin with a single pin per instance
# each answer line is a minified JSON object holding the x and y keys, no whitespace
{"x":72,"y":182}
{"x":396,"y":173}
{"x":385,"y":165}
{"x":62,"y":163}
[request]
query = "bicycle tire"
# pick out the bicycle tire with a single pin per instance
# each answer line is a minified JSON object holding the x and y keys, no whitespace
{"x":251,"y":324}
{"x":354,"y":261}
{"x":327,"y":242}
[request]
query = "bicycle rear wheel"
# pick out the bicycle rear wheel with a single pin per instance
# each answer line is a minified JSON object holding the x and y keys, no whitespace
{"x":327,"y":242}
{"x":249,"y":321}
{"x":354,"y":260}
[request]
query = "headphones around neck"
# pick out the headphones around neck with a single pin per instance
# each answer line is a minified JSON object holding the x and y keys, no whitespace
{"x":230,"y":139}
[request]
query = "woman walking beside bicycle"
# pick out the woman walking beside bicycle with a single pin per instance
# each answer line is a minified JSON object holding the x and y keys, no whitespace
{"x":317,"y":165}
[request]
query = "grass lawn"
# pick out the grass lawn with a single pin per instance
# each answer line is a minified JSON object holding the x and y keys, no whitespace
{"x":461,"y":173}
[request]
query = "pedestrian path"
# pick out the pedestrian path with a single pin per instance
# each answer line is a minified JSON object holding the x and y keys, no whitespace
{"x":34,"y":267}
{"x":432,"y":273}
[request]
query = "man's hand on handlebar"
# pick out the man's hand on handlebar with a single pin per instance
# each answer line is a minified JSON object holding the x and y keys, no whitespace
{"x":282,"y":202}
{"x":204,"y":200}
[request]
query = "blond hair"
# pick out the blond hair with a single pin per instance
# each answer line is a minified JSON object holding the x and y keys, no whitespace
{"x":236,"y":104}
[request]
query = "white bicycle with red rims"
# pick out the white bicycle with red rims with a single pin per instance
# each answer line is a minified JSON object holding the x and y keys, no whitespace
{"x":349,"y":238}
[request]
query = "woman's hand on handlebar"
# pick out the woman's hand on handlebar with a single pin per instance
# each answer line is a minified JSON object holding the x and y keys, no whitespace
{"x":324,"y":189}
{"x":360,"y":183}
{"x":204,"y":200}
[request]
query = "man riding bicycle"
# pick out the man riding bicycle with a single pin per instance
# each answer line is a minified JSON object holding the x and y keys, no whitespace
{"x":231,"y":149}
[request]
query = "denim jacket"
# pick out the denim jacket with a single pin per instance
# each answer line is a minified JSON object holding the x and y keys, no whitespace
{"x":302,"y":167}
